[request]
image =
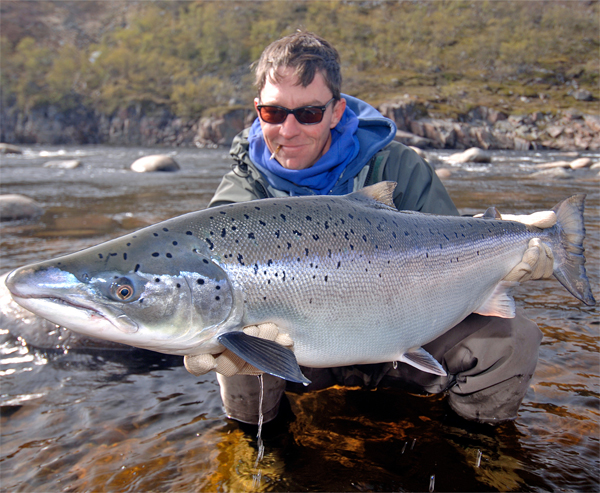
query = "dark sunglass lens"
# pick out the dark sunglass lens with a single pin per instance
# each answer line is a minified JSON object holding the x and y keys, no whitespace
{"x":309,"y":115}
{"x":272,"y":114}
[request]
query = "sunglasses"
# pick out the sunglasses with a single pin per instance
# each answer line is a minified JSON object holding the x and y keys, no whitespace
{"x":306,"y":115}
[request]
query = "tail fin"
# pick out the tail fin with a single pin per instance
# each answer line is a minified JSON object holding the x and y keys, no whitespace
{"x":569,"y":266}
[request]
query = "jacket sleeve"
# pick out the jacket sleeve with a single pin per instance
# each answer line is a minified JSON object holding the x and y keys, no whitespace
{"x":234,"y":188}
{"x":419,"y":188}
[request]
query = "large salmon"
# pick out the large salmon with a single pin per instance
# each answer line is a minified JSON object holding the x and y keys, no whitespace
{"x":349,"y":278}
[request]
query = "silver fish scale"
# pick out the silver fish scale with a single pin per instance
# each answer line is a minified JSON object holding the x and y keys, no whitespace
{"x":332,"y":273}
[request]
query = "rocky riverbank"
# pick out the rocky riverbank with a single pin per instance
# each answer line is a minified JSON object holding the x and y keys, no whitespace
{"x":483,"y":127}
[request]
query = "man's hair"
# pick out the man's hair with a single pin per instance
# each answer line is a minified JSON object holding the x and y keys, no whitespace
{"x":307,"y":54}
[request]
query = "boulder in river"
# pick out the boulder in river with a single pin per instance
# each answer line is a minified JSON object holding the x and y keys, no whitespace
{"x":472,"y":155}
{"x":157,"y":162}
{"x":582,"y":162}
{"x":67,"y":164}
{"x":10,"y":149}
{"x":14,"y":207}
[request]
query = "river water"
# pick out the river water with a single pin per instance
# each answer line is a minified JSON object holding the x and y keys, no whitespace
{"x":86,"y":420}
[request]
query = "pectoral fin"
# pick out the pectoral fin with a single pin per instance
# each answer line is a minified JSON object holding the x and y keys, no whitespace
{"x":422,"y":360}
{"x":267,"y":356}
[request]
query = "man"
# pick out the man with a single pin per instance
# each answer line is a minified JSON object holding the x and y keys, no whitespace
{"x":310,"y":139}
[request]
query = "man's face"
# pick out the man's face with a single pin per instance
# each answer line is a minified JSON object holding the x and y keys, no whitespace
{"x":301,"y":145}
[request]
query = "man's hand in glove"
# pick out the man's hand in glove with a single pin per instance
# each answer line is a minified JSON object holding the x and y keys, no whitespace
{"x":228,"y":363}
{"x":538,"y":260}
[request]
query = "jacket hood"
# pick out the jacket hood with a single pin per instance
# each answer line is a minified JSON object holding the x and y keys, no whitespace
{"x":374,"y":133}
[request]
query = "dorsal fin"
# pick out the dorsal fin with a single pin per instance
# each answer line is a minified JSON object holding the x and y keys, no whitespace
{"x":382,"y":192}
{"x":492,"y":213}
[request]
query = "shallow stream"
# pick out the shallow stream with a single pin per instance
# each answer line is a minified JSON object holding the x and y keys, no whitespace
{"x":131,"y":420}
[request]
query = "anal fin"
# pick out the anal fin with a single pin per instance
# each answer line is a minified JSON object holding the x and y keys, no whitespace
{"x":500,"y":303}
{"x":267,"y":356}
{"x":422,"y":360}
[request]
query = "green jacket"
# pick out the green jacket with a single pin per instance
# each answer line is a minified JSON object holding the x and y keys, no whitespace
{"x":419,"y":188}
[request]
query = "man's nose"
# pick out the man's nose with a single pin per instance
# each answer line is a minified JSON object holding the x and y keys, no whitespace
{"x":290,"y":127}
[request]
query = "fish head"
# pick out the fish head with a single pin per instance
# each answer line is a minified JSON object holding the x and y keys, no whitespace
{"x":155,"y":289}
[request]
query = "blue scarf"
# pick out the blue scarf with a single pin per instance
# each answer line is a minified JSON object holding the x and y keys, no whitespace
{"x":324,"y":174}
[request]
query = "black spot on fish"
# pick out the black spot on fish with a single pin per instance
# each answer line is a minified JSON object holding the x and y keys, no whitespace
{"x":289,"y":245}
{"x":233,"y":228}
{"x":366,"y":219}
{"x":394,"y":234}
{"x":200,"y":281}
{"x":156,"y":254}
{"x":241,"y":259}
{"x":277,"y":233}
{"x":339,"y":264}
{"x":113,"y":254}
{"x":165,"y":230}
{"x":217,"y":287}
{"x":364,"y":238}
{"x":178,"y":285}
{"x":326,"y":278}
{"x":282,"y":217}
{"x":223,"y":233}
{"x":169,"y":255}
{"x":223,"y":212}
{"x":270,"y":262}
{"x":406,"y":233}
{"x":155,"y":234}
{"x":246,"y":216}
{"x":128,"y":244}
{"x":326,"y":225}
{"x":211,"y":245}
{"x":217,"y":298}
{"x":205,"y":261}
{"x":306,"y":251}
{"x":257,"y":208}
{"x":157,"y":279}
{"x":446,"y":237}
{"x":288,"y":206}
{"x":262,"y":223}
{"x":174,"y":243}
{"x":137,"y":267}
{"x":316,"y":237}
{"x":189,"y":233}
{"x":124,"y":256}
{"x":350,"y":216}
{"x":251,"y":236}
{"x":297,"y":233}
{"x":308,"y":218}
{"x":255,"y":269}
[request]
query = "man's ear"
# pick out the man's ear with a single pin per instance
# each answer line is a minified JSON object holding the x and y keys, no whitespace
{"x":338,"y":111}
{"x":256,"y":102}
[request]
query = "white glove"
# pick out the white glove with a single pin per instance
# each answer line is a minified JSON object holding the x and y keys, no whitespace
{"x":537,"y":263}
{"x":228,"y":363}
{"x":538,"y":259}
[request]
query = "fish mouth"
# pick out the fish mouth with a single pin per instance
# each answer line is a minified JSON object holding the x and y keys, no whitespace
{"x":60,"y":310}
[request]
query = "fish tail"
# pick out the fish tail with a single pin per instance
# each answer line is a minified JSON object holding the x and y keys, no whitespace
{"x":569,"y":261}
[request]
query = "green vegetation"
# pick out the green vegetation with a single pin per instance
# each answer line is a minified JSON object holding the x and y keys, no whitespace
{"x":193,"y":57}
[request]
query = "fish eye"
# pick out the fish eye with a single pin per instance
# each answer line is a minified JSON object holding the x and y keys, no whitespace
{"x":122,"y":289}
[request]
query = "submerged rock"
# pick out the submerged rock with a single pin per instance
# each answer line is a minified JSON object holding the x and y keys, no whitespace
{"x":157,"y":162}
{"x":68,"y":164}
{"x":14,"y":207}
